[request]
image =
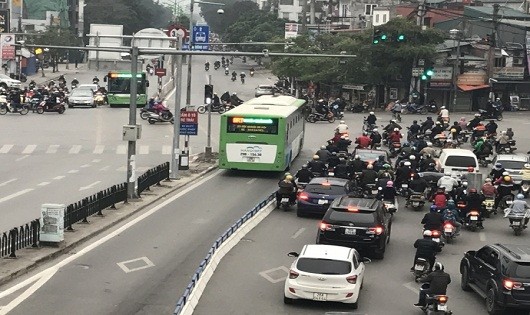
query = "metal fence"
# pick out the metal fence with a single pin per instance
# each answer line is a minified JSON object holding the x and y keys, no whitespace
{"x":153,"y":176}
{"x":206,"y":261}
{"x":21,"y":237}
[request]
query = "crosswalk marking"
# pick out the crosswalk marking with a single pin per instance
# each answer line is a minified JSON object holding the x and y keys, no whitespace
{"x":99,"y":149}
{"x":5,"y":148}
{"x":75,"y":149}
{"x":52,"y":149}
{"x":121,"y":149}
{"x":29,"y":149}
{"x":166,"y":150}
{"x":144,"y":149}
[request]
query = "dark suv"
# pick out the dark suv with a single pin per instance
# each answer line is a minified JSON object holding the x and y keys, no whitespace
{"x":499,"y":273}
{"x":364,"y":224}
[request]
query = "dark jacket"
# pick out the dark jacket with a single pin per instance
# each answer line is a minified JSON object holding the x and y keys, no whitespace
{"x":316,"y":166}
{"x":341,"y":171}
{"x":285,"y":188}
{"x":418,"y":185}
{"x":324,"y":155}
{"x":426,"y":248}
{"x":304,"y":175}
{"x":432,"y":221}
{"x":438,"y":280}
{"x":356,"y":166}
{"x":368,"y":177}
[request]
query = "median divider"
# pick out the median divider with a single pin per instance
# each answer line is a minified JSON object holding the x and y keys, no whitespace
{"x":26,"y":235}
{"x":190,"y":298}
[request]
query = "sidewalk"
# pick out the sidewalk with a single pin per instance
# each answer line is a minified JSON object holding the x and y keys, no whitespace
{"x":29,"y":258}
{"x":49,"y":75}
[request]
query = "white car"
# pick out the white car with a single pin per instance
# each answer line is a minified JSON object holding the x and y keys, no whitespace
{"x":81,"y":98}
{"x":513,"y":164}
{"x":6,"y":82}
{"x":325,"y":273}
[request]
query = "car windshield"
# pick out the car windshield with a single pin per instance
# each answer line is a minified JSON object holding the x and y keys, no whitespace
{"x":369,"y":156}
{"x":347,"y":216}
{"x":522,"y":270}
{"x":512,"y":165}
{"x":325,"y":189}
{"x":81,"y":93}
{"x":3,"y":77}
{"x":266,"y":88}
{"x":324,"y":266}
{"x":460,"y":161}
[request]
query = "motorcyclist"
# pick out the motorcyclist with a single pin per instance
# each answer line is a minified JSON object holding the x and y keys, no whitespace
{"x":395,"y":136}
{"x":341,"y":170}
{"x":376,"y":138}
{"x":502,"y":141}
{"x":418,"y":184}
{"x":509,"y":133}
{"x":357,"y":165}
{"x":287,"y":187}
{"x":234,"y":75}
{"x":444,"y":114}
{"x":448,"y":182}
{"x":342,"y":128}
{"x":437,"y":129}
{"x":323,"y":154}
{"x":343,"y":143}
{"x":379,"y":163}
{"x":363,"y":141}
{"x":474,"y":202}
{"x":322,"y":107}
{"x":482,"y":148}
{"x":215,"y":100}
{"x":463,"y":123}
{"x":455,"y":130}
{"x":316,"y":166}
{"x":461,"y":192}
{"x":207,"y":65}
{"x":235,"y":100}
{"x":474,"y":122}
{"x":518,"y":207}
{"x":242,"y":76}
{"x":496,"y":171}
{"x":424,"y":163}
{"x":488,"y":190}
{"x":333,"y":160}
{"x":304,"y":175}
{"x":413,"y":163}
{"x":252,"y":71}
{"x":504,"y":189}
{"x":371,"y":119}
{"x":226,"y":97}
{"x":426,"y":248}
{"x":368,"y":176}
{"x":451,"y":214}
{"x":439,"y":199}
{"x":61,"y":79}
{"x":526,"y":174}
{"x":227,"y":71}
{"x":432,"y":220}
{"x":427,"y":124}
{"x":414,"y":129}
{"x":438,"y":281}
{"x":75,"y":82}
{"x":95,"y":80}
{"x":403,"y":174}
{"x":397,"y":109}
{"x":335,"y":107}
{"x":392,"y":126}
{"x":388,"y":193}
{"x":217,"y":64}
{"x":491,"y":127}
{"x":421,"y":143}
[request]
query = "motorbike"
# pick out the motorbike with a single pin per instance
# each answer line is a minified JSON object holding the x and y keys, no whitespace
{"x":497,"y":114}
{"x":336,"y":111}
{"x":395,"y":147}
{"x":472,"y":219}
{"x":242,"y":80}
{"x":145,"y":112}
{"x":219,"y":108}
{"x":234,"y":78}
{"x":449,"y":231}
{"x":517,"y":223}
{"x":433,"y":108}
{"x":368,"y":128}
{"x":164,"y":116}
{"x":370,"y":191}
{"x":505,"y":202}
{"x":488,"y":206}
{"x":216,"y":66}
{"x":46,"y":106}
{"x":390,"y":206}
{"x":227,"y":72}
{"x":416,"y":201}
{"x":404,"y":190}
{"x":99,"y":99}
{"x":396,"y":116}
{"x":435,"y":304}
{"x":314,"y":117}
{"x":412,"y":108}
{"x":508,"y":148}
{"x":525,"y":188}
{"x":206,"y":67}
{"x":251,"y":73}
{"x":22,"y":109}
{"x":285,"y":203}
{"x":421,"y":268}
{"x":463,"y":136}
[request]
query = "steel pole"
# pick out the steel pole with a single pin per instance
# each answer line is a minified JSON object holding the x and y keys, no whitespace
{"x":190,"y":47}
{"x":208,"y":149}
{"x":455,"y":74}
{"x":131,"y":148}
{"x":175,"y":153}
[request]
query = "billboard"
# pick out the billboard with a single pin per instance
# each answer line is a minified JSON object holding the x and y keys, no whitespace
{"x":105,"y":29}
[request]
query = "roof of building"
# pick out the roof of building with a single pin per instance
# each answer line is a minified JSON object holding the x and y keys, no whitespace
{"x":449,"y":44}
{"x":487,"y":11}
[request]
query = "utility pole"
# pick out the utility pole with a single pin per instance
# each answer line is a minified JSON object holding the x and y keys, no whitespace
{"x":312,"y":17}
{"x":493,"y":43}
{"x":304,"y":16}
{"x":131,"y":148}
{"x":175,"y":153}
{"x":190,"y":47}
{"x":419,"y":21}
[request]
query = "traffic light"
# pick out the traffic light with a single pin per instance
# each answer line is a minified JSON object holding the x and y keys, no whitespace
{"x":208,"y":93}
{"x":379,"y":37}
{"x":400,"y":38}
{"x":427,"y":74}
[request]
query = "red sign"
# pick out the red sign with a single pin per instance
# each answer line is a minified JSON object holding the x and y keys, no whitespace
{"x":189,"y":117}
{"x":8,"y":52}
{"x":161,"y":72}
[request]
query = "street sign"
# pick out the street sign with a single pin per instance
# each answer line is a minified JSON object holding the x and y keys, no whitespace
{"x":416,"y":72}
{"x":421,"y":62}
{"x":189,"y":123}
{"x":160,"y":72}
{"x":201,"y":35}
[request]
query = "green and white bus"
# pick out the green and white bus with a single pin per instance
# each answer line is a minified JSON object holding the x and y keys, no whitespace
{"x":262,"y":134}
{"x":119,"y":86}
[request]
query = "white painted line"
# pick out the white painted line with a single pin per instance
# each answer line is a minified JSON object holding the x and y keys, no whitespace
{"x":59,"y":177}
{"x":265,"y":274}
{"x":166,"y":150}
{"x":145,"y":260}
{"x":105,"y":168}
{"x":18,"y":193}
{"x":75,"y":149}
{"x":89,"y":186}
{"x":22,"y":158}
{"x":85,"y":165}
{"x":6,"y":148}
{"x":7,"y":182}
{"x":412,"y":286}
{"x":96,"y":160}
{"x":52,"y":149}
{"x":300,"y":231}
{"x":121,"y":149}
{"x":121,"y":169}
{"x":98,"y":149}
{"x":29,"y":149}
{"x":45,"y":275}
{"x":73,"y":171}
{"x":43,"y":184}
{"x":251,"y":181}
{"x":144,"y":149}
{"x":482,"y":236}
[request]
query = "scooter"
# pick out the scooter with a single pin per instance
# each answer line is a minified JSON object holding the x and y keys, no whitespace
{"x":206,"y":67}
{"x":314,"y":117}
{"x":214,"y":108}
{"x":99,"y":99}
{"x":227,"y":72}
{"x":416,"y":201}
{"x":497,"y":114}
{"x":488,"y":204}
{"x":22,"y":109}
{"x":421,"y":268}
{"x":507,"y":148}
{"x":412,"y":108}
{"x":472,"y":219}
{"x":251,"y":73}
{"x":435,"y":304}
{"x":517,"y":223}
{"x":164,"y":116}
{"x":370,"y":191}
{"x":285,"y":203}
{"x":242,"y":80}
{"x":234,"y":78}
{"x":449,"y":231}
{"x":46,"y":106}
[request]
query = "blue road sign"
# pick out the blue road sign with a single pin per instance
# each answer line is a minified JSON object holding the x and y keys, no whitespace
{"x":188,"y":129}
{"x":201,"y":35}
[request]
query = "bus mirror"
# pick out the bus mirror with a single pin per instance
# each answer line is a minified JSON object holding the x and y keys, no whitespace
{"x":147,"y":83}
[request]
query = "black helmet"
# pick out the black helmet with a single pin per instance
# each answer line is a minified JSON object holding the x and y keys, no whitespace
{"x":415,"y":122}
{"x":429,"y":118}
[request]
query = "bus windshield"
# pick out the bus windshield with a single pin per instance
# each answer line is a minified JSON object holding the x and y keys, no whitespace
{"x":123,"y":86}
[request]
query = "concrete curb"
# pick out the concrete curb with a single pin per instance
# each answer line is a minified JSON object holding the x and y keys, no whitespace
{"x":16,"y":273}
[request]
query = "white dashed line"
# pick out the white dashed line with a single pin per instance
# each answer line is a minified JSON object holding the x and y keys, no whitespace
{"x":18,"y":193}
{"x":85,"y":165}
{"x":251,"y":181}
{"x":43,"y":184}
{"x":52,"y":149}
{"x":29,"y":149}
{"x":482,"y":236}
{"x":59,"y":177}
{"x":300,"y":231}
{"x":98,"y":149}
{"x":6,"y":148}
{"x":7,"y":182}
{"x":121,"y":149}
{"x":166,"y":150}
{"x":21,"y":158}
{"x":144,"y":150}
{"x":75,"y":149}
{"x":73,"y":171}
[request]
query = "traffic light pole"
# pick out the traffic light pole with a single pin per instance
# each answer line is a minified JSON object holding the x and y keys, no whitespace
{"x":131,"y":148}
{"x":175,"y":153}
{"x":208,"y":149}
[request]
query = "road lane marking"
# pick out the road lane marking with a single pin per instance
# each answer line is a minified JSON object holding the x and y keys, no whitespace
{"x":18,"y":193}
{"x":412,"y":286}
{"x":146,"y":263}
{"x":59,"y":177}
{"x":6,"y":148}
{"x":300,"y":231}
{"x":52,"y":149}
{"x":105,"y":168}
{"x":265,"y":274}
{"x":85,"y":165}
{"x":482,"y":236}
{"x":75,"y":149}
{"x":98,"y":149}
{"x":43,"y":184}
{"x":251,"y":181}
{"x":144,"y":149}
{"x":45,"y":275}
{"x":73,"y":171}
{"x":89,"y":186}
{"x":96,"y":160}
{"x":29,"y":149}
{"x":22,"y":158}
{"x":7,"y":182}
{"x":121,"y":149}
{"x":166,"y":150}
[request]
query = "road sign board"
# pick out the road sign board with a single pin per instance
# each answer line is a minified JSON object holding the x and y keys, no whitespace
{"x":161,"y":72}
{"x":189,"y":129}
{"x":201,"y":35}
{"x":416,"y":72}
{"x":189,"y":123}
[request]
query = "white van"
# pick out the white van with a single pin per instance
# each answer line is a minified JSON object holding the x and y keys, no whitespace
{"x":457,"y":161}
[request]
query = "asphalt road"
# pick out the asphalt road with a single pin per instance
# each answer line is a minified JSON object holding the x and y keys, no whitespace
{"x":54,"y":158}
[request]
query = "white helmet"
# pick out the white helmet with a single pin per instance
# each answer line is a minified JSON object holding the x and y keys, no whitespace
{"x":412,"y":157}
{"x":443,"y":107}
{"x":447,"y":173}
{"x":427,"y":233}
{"x":342,"y":122}
{"x":396,"y":129}
{"x":477,"y":115}
{"x":406,"y":163}
{"x":375,"y":130}
{"x":372,"y":113}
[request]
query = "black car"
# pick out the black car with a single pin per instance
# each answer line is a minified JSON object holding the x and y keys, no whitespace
{"x":319,"y":193}
{"x":369,"y":156}
{"x":499,"y":273}
{"x":364,"y":224}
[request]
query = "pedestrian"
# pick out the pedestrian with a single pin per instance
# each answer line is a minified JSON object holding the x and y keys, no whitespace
{"x":76,"y":62}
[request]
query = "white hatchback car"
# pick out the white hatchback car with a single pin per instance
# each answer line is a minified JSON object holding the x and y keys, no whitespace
{"x":325,"y":273}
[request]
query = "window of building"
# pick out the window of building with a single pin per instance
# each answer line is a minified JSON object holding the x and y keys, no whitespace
{"x":369,"y":9}
{"x":285,"y":15}
{"x":500,"y":62}
{"x":377,"y":18}
{"x":344,"y":10}
{"x":287,"y":2}
{"x":384,"y":18}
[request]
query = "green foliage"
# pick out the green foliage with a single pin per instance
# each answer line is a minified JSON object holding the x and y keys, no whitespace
{"x":55,"y":36}
{"x":258,"y":26}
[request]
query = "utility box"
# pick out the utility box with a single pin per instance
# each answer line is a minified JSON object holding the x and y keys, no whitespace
{"x":52,"y":223}
{"x":132,"y":132}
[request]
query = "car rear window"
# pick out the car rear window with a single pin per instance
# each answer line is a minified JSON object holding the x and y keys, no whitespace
{"x":512,"y":165}
{"x":359,"y":217}
{"x":522,"y":270}
{"x":325,"y":189}
{"x":365,"y":156}
{"x":460,"y":161}
{"x":324,"y":266}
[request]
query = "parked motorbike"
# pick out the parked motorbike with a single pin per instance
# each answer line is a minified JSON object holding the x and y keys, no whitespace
{"x":314,"y":117}
{"x":164,"y":116}
{"x":412,"y":108}
{"x":435,"y":304}
{"x":218,"y":108}
{"x":472,"y":219}
{"x":22,"y":109}
{"x":416,"y":201}
{"x":421,"y":268}
{"x":449,"y":231}
{"x":145,"y":112}
{"x":46,"y":106}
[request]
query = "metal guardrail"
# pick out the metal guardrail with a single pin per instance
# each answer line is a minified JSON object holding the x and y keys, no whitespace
{"x":153,"y":176}
{"x":206,"y":261}
{"x":17,"y":238}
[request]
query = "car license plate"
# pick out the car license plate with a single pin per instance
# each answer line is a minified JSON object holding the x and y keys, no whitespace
{"x":285,"y":200}
{"x":419,"y":267}
{"x":405,"y":186}
{"x":375,"y":191}
{"x":448,"y":230}
{"x":322,"y":201}
{"x":437,"y":239}
{"x":415,"y":204}
{"x":473,"y":218}
{"x":251,"y":159}
{"x":442,"y":307}
{"x":331,"y":173}
{"x":509,"y":202}
{"x":516,"y":223}
{"x":320,"y":296}
{"x":349,"y":231}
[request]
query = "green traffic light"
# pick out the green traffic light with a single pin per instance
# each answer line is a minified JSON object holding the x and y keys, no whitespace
{"x":376,"y":41}
{"x":423,"y":77}
{"x":430,"y":72}
{"x":383,"y":37}
{"x":400,"y":38}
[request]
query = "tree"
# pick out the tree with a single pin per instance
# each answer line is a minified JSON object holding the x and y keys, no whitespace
{"x":258,"y":26}
{"x":55,"y":36}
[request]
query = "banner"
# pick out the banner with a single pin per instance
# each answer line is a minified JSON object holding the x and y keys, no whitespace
{"x":4,"y":21}
{"x":7,"y":46}
{"x":291,"y":30}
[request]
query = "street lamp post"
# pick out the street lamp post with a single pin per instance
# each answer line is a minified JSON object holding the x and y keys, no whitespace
{"x":456,"y":35}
